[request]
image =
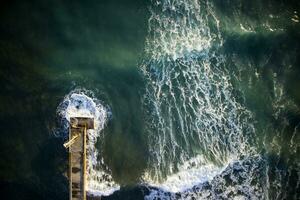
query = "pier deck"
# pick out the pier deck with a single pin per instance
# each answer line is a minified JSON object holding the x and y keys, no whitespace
{"x":77,"y":156}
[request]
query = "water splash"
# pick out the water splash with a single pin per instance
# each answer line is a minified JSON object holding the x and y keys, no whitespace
{"x":193,"y":172}
{"x":78,"y":103}
{"x":241,"y":179}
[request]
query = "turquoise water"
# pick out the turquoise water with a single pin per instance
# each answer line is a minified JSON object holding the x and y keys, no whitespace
{"x":200,"y":98}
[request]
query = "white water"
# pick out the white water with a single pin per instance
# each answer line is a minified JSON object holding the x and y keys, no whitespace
{"x":78,"y":104}
{"x":196,"y":127}
{"x":193,"y":172}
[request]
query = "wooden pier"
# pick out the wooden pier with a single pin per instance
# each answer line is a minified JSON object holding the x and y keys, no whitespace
{"x":77,"y":156}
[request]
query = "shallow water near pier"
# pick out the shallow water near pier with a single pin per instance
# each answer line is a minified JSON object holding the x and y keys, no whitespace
{"x":193,"y":99}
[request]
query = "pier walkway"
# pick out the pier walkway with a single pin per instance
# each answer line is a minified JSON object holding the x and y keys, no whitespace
{"x":77,"y":156}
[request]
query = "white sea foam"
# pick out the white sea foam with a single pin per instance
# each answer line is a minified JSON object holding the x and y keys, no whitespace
{"x":175,"y":30}
{"x":193,"y":172}
{"x":78,"y":104}
{"x":239,"y":179}
{"x":194,"y":110}
{"x":194,"y":118}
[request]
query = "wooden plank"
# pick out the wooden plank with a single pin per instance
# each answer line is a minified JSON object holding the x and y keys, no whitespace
{"x":84,"y":163}
{"x":87,"y":122}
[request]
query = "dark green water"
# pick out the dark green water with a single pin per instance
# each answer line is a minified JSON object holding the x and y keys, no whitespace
{"x":110,"y":47}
